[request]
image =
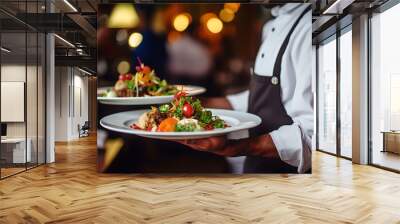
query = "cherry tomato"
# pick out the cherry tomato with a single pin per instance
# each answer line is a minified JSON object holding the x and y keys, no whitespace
{"x":128,"y":77}
{"x":138,"y":68}
{"x":187,"y":110}
{"x":146,"y":69}
{"x":121,"y":77}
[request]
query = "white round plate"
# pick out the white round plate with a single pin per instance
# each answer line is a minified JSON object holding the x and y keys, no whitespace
{"x":237,"y":121}
{"x":146,"y":100}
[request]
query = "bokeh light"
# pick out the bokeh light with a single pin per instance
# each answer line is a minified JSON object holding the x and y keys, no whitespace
{"x":181,"y":22}
{"x":226,"y":15}
{"x":123,"y":16}
{"x":135,"y":39}
{"x":207,"y":16}
{"x":214,"y":25}
{"x":121,"y":36}
{"x":234,"y":7}
{"x":101,"y":67}
{"x":123,"y":67}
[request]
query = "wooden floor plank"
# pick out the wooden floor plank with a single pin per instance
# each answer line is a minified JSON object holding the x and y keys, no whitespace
{"x":71,"y":191}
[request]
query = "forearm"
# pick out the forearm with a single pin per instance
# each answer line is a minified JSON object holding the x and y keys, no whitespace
{"x":262,"y":146}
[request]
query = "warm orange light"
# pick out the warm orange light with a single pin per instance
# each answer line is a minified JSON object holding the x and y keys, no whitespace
{"x":204,"y":18}
{"x":214,"y":25}
{"x":226,"y":15}
{"x":158,"y":22}
{"x":188,"y":16}
{"x":234,"y":7}
{"x":181,"y":22}
{"x":173,"y":36}
{"x":123,"y":16}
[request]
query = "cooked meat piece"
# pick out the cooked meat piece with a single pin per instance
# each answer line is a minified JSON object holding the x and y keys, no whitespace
{"x":120,"y":85}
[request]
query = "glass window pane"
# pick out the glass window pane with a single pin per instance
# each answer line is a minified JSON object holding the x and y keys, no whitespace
{"x":346,"y":94}
{"x":22,"y":88}
{"x":327,"y":97}
{"x":385,"y":84}
{"x":14,"y":153}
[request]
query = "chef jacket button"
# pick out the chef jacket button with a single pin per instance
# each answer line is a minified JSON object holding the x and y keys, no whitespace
{"x":273,"y":29}
{"x":274,"y":80}
{"x":262,"y":55}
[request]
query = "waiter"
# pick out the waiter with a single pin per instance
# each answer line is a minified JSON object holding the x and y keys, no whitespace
{"x":280,"y":93}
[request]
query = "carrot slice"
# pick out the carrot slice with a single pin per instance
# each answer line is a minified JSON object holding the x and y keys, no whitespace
{"x":167,"y":125}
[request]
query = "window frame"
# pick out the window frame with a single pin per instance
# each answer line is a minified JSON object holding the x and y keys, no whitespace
{"x":333,"y":37}
{"x":27,"y":29}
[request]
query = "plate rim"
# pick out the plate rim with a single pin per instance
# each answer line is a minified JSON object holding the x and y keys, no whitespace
{"x":256,"y":120}
{"x":148,"y":100}
{"x":200,"y":90}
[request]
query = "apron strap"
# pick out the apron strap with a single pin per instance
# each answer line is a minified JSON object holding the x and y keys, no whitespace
{"x":278,"y":61}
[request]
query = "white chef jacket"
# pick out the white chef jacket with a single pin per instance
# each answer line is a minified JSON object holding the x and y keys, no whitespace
{"x":293,"y":142}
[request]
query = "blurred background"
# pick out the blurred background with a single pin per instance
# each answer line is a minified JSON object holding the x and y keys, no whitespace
{"x":212,"y":45}
{"x":209,"y":45}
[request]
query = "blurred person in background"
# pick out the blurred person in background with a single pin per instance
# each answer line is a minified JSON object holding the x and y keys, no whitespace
{"x":188,"y":57}
{"x":191,"y":61}
{"x":280,"y":93}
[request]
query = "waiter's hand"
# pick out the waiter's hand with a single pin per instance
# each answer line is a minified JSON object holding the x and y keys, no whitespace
{"x":215,"y":145}
{"x":257,"y":146}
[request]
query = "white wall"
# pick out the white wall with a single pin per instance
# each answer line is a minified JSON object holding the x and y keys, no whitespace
{"x":16,"y":73}
{"x":61,"y":104}
{"x":71,"y":94}
{"x":33,"y":127}
{"x":80,"y":110}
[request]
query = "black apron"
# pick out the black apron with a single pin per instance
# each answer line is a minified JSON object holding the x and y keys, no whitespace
{"x":265,"y":101}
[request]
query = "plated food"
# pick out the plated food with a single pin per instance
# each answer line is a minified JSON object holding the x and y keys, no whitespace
{"x":183,"y":118}
{"x":142,"y":88}
{"x":144,"y":82}
{"x":183,"y":114}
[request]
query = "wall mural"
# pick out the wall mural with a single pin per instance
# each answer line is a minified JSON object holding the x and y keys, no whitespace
{"x":205,"y":88}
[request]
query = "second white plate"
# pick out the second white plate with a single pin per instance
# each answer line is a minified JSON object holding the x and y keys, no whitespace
{"x":146,"y":100}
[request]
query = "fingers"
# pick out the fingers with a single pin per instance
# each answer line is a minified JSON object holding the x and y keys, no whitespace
{"x":213,"y":144}
{"x":198,"y":144}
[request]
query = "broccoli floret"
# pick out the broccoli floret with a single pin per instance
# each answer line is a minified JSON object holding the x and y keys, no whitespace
{"x":197,"y":106}
{"x":164,"y":108}
{"x":205,"y":117}
{"x":190,"y":127}
{"x":131,"y":84}
{"x":178,"y":111}
{"x":218,"y":123}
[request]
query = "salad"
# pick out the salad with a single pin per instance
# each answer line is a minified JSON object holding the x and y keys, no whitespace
{"x":143,"y":83}
{"x":183,"y":114}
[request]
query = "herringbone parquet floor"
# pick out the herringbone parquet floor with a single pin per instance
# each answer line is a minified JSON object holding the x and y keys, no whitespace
{"x":71,"y":191}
